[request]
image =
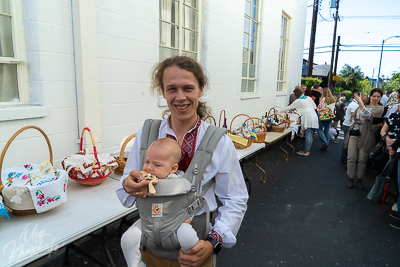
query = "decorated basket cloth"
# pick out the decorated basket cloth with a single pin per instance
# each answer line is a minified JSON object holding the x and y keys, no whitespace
{"x":279,"y":124}
{"x":260,"y":136}
{"x":89,"y":168}
{"x":121,"y":159}
{"x":30,"y":188}
{"x":238,"y":141}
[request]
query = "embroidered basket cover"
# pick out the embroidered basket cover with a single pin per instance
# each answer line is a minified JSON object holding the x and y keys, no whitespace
{"x":47,"y":187}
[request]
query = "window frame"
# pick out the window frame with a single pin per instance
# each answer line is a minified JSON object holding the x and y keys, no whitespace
{"x":281,"y":84}
{"x":19,"y":59}
{"x":181,"y":28}
{"x":257,"y":49}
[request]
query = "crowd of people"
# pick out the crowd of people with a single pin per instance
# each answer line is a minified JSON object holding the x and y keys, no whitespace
{"x":361,"y":131}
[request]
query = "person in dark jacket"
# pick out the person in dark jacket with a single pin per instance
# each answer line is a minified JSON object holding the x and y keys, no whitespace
{"x":315,"y":94}
{"x":394,"y":151}
{"x":339,"y":112}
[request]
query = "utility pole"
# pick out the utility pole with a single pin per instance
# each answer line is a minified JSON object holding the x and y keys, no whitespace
{"x":336,"y":58}
{"x":312,"y":39}
{"x":337,"y":54}
{"x":333,"y":44}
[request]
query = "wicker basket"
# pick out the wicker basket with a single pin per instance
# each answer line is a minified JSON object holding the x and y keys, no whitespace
{"x":277,"y":110}
{"x":121,"y":160}
{"x":94,"y":177}
{"x":249,"y":140}
{"x":29,"y":211}
{"x":260,"y":137}
{"x":283,"y":123}
{"x":210,"y":119}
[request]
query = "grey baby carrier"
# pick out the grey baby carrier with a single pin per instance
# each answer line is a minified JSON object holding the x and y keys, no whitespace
{"x":176,"y":199}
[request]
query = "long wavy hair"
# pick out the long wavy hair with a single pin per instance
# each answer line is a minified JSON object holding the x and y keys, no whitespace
{"x":185,"y":63}
{"x":328,"y":96}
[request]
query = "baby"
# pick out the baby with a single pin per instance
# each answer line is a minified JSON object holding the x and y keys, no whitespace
{"x":333,"y":132}
{"x":162,"y":158}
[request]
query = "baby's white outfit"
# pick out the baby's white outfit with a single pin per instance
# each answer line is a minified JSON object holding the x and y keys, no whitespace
{"x":187,"y":237}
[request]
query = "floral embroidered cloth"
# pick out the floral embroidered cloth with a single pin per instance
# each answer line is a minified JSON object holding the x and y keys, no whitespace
{"x":84,"y":161}
{"x":47,"y":190}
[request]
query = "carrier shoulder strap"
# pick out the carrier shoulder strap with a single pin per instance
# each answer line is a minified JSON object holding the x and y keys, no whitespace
{"x":149,"y":135}
{"x":203,"y":154}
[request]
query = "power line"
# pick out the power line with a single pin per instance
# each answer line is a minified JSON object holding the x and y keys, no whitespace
{"x":353,"y":50}
{"x":359,"y":46}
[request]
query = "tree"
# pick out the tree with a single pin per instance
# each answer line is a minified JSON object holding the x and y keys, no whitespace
{"x":364,"y":86}
{"x":355,"y":72}
{"x":393,"y":84}
{"x":350,"y":77}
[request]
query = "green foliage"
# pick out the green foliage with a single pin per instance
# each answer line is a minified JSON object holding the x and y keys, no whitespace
{"x":350,"y":77}
{"x":364,"y":86}
{"x":309,"y":81}
{"x":348,"y":94}
{"x":338,"y":90}
{"x":347,"y":71}
{"x":393,"y":84}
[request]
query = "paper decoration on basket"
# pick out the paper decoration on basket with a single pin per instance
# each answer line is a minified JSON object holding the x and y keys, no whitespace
{"x":47,"y":191}
{"x":253,"y":134}
{"x":89,"y":168}
{"x":3,"y":211}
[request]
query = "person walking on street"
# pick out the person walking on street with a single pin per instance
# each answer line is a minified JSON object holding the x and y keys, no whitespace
{"x":305,"y":106}
{"x":325,"y":125}
{"x":315,"y":94}
{"x":360,"y":139}
{"x":339,"y":112}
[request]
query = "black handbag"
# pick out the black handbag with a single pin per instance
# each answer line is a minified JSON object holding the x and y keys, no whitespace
{"x":380,"y":190}
{"x":354,"y":132}
{"x":379,"y":150}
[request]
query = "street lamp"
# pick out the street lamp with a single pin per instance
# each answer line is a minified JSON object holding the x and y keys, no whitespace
{"x":380,"y":61}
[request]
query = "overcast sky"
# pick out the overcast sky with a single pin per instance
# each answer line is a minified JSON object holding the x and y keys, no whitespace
{"x":362,"y":22}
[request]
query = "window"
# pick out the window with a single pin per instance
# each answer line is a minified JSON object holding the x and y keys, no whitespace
{"x":282,"y":54}
{"x":250,"y":45}
{"x":179,"y":28}
{"x":13,"y":71}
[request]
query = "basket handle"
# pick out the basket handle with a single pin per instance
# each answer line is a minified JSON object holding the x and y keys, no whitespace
{"x":94,"y":148}
{"x":3,"y":153}
{"x":224,"y":122}
{"x":121,"y":153}
{"x":265,"y":128}
{"x":230,"y":127}
{"x":211,"y":117}
{"x":277,"y":114}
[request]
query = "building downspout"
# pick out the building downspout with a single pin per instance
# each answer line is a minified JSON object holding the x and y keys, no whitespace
{"x":84,"y":26}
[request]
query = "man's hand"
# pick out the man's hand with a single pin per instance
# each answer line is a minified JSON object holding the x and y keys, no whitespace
{"x":134,"y":185}
{"x":196,"y":255}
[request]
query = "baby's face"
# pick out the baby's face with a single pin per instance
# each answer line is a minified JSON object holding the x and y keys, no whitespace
{"x":158,"y":162}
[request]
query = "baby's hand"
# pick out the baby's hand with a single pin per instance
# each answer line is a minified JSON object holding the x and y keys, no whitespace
{"x":187,"y":221}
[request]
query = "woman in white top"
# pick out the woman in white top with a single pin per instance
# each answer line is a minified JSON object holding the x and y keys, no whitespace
{"x":309,"y":120}
{"x":181,"y":81}
{"x":324,"y":126}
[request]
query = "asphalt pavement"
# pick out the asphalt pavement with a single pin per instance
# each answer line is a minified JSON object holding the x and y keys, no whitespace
{"x":304,"y":215}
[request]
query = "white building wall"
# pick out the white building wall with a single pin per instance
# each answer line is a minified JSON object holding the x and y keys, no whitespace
{"x":127,"y":49}
{"x":127,"y":45}
{"x":50,"y":61}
